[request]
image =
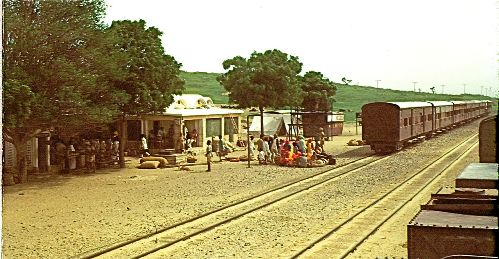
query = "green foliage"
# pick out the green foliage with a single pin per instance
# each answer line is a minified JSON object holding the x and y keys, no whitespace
{"x":318,"y":92}
{"x":16,"y":112}
{"x":205,"y":84}
{"x":149,"y":76}
{"x":55,"y":50}
{"x":351,"y":98}
{"x":268,"y":79}
{"x":348,"y":97}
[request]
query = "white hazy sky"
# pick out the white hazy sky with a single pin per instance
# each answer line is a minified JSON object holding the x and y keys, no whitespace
{"x":453,"y":43}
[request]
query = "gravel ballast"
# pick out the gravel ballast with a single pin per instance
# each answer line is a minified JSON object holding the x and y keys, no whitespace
{"x":59,"y":216}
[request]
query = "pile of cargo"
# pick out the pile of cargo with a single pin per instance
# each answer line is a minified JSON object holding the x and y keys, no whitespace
{"x":458,"y":221}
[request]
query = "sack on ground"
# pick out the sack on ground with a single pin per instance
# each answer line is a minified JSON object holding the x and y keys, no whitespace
{"x":162,"y":161}
{"x":149,"y":165}
{"x":301,"y":161}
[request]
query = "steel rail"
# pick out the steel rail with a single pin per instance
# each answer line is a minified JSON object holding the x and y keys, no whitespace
{"x":356,"y":245}
{"x":266,"y":204}
{"x":343,"y":223}
{"x":106,"y":249}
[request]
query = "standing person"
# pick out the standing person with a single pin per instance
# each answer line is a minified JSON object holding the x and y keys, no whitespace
{"x":116,"y":143}
{"x":320,"y":138}
{"x":274,"y":150}
{"x":143,"y":145}
{"x":276,"y":139}
{"x":170,"y":142}
{"x":221,"y":147}
{"x":266,"y":150}
{"x":161,"y":137}
{"x":194,"y":137}
{"x":208,"y":155}
{"x":186,"y":137}
{"x":259,"y":143}
{"x":251,"y":146}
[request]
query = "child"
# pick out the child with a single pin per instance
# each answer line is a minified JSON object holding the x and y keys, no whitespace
{"x":208,"y":155}
{"x":144,"y":147}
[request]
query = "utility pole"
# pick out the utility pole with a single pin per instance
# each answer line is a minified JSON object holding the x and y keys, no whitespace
{"x":442,"y":88}
{"x":377,"y":81}
{"x":464,"y":91}
{"x":414,"y":86}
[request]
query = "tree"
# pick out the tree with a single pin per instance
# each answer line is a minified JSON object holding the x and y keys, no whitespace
{"x":149,"y":76}
{"x":432,"y":89}
{"x":55,"y":69}
{"x":346,"y":81}
{"x":318,"y":91}
{"x":268,"y":79}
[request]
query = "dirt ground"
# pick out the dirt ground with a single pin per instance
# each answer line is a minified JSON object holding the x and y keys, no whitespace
{"x":59,"y":216}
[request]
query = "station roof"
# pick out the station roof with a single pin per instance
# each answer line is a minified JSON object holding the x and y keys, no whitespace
{"x":202,"y":112}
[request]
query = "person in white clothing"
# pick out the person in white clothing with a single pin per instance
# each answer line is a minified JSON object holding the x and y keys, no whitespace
{"x":143,"y":145}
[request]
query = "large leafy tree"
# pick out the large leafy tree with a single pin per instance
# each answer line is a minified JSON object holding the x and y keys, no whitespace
{"x":150,"y":77}
{"x":318,"y":91}
{"x":55,"y":69}
{"x":268,"y":79}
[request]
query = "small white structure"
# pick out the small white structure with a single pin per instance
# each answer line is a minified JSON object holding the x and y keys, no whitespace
{"x":190,"y":116}
{"x":272,"y":124}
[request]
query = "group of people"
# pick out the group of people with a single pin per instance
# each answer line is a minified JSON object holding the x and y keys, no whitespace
{"x":84,"y":152}
{"x":300,"y":152}
{"x":160,"y":138}
{"x":163,"y":139}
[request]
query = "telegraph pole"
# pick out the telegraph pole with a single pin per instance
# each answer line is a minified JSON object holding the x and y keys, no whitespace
{"x":414,"y":86}
{"x":464,"y":90}
{"x":377,"y":81}
{"x":442,"y":88}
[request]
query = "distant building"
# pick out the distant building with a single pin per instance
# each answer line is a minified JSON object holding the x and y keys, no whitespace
{"x":187,"y":114}
{"x":188,"y":111}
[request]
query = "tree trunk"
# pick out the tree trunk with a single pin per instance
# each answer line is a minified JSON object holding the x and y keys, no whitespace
{"x":261,"y":120}
{"x":21,"y":167}
{"x":122,"y":141}
{"x":19,"y":138}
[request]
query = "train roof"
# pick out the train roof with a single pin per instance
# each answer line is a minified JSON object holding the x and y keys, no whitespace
{"x":404,"y":105}
{"x":440,"y":103}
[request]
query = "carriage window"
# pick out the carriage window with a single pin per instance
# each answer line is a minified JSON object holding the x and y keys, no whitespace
{"x":405,"y":122}
{"x":422,"y":118}
{"x":430,"y":117}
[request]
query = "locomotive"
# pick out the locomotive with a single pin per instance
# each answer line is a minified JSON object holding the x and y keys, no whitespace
{"x":388,"y":126}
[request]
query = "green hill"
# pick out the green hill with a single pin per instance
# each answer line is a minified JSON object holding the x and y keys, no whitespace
{"x":348,"y":98}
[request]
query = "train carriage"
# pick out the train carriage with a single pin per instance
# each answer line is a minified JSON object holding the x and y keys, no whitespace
{"x":488,"y":140}
{"x":386,"y":126}
{"x":442,"y":115}
{"x":475,"y":109}
{"x":485,"y":107}
{"x":459,"y":112}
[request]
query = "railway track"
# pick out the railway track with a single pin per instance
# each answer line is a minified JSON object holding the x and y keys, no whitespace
{"x":349,"y":233}
{"x":165,"y":238}
{"x":147,"y":244}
